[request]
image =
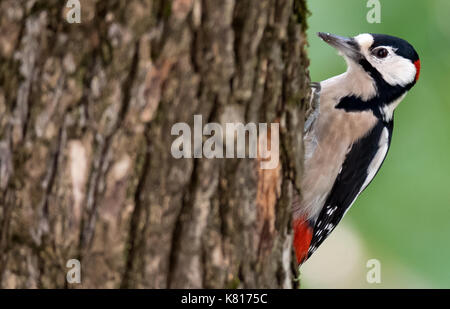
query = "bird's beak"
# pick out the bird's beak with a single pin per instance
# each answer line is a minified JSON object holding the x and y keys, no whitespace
{"x":346,"y":46}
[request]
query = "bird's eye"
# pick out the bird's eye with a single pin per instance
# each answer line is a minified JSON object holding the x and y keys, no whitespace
{"x":381,"y":53}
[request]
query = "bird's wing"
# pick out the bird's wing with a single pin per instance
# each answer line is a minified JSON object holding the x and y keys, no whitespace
{"x":360,"y":166}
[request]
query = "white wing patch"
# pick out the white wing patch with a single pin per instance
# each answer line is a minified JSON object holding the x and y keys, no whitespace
{"x":378,"y":159}
{"x":375,"y":164}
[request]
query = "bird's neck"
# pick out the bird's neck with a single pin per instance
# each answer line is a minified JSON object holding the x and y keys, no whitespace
{"x":362,"y":91}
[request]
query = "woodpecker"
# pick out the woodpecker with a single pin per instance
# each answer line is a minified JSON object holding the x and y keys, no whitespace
{"x":348,"y":136}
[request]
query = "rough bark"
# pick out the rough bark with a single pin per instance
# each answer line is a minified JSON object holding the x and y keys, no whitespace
{"x":86,"y":171}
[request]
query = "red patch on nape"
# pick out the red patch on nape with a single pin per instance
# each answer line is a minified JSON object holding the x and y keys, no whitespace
{"x":417,"y":65}
{"x":303,"y":233}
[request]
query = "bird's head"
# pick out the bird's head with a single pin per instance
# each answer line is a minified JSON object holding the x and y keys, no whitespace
{"x":385,"y":58}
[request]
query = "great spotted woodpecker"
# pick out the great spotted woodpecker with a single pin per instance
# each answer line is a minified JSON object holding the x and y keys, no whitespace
{"x":348,"y":136}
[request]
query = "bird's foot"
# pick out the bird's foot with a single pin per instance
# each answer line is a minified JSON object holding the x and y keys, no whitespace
{"x":297,"y":279}
{"x":314,"y":105}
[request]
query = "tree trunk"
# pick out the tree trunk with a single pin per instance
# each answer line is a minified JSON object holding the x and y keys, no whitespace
{"x":86,"y":170}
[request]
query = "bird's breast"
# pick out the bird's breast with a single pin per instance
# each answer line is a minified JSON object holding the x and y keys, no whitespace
{"x":326,"y":146}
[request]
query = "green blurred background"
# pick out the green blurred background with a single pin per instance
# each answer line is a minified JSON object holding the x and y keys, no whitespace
{"x":403,"y":217}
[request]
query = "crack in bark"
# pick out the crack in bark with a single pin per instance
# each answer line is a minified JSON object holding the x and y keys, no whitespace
{"x":135,"y":218}
{"x":100,"y":168}
{"x":43,"y":225}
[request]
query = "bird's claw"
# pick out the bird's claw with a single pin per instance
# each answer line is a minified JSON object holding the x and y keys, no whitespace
{"x":316,"y":85}
{"x":314,"y":105}
{"x":297,"y":279}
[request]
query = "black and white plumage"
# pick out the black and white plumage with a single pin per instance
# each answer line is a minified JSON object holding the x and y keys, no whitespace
{"x":347,"y":140}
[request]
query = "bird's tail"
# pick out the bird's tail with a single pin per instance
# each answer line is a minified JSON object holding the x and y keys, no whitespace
{"x":303,"y":233}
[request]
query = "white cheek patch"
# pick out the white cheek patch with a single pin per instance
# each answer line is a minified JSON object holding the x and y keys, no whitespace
{"x":395,"y":69}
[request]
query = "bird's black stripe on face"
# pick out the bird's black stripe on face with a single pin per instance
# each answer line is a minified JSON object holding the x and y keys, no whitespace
{"x":348,"y":183}
{"x":386,"y":93}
